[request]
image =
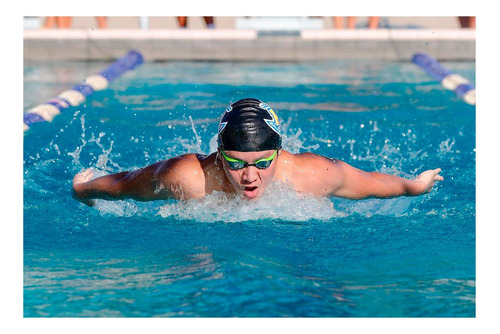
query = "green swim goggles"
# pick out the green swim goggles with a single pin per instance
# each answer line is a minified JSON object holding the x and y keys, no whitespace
{"x":235,"y":164}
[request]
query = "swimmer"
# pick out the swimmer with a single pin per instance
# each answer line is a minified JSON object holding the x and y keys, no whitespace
{"x":248,"y":159}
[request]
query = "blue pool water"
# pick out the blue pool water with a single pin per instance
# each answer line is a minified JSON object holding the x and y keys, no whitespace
{"x":286,"y":256}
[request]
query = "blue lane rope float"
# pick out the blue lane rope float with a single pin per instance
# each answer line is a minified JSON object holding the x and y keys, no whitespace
{"x":78,"y":93}
{"x":451,"y":81}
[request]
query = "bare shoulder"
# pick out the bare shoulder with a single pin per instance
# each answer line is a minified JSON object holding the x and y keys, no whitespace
{"x":307,"y":162}
{"x":182,"y":165}
{"x":182,"y":175}
{"x":310,"y":172}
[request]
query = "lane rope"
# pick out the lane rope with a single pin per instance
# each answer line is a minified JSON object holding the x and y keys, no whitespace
{"x":78,"y":94}
{"x":449,"y":80}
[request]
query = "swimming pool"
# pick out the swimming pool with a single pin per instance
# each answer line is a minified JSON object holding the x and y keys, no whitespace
{"x":286,"y":256}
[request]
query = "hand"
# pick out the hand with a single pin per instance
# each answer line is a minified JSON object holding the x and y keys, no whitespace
{"x":80,"y":178}
{"x":428,"y":177}
{"x":83,"y":177}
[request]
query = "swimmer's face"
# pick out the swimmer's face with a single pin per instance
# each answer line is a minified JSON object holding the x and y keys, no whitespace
{"x":250,"y":182}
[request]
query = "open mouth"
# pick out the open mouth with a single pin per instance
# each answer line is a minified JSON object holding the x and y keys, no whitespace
{"x":250,"y":192}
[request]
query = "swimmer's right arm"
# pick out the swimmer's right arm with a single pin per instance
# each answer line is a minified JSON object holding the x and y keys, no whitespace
{"x":135,"y":185}
{"x":162,"y":180}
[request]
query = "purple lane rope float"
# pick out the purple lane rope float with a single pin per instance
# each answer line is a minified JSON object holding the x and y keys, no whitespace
{"x":449,"y":80}
{"x":78,"y":94}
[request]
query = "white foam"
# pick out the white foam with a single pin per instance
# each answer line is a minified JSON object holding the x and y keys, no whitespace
{"x":280,"y":202}
{"x":116,"y":208}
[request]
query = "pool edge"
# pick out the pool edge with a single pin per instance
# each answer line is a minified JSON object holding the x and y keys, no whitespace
{"x":249,"y":45}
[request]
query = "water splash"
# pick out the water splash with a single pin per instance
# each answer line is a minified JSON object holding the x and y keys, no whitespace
{"x":393,"y":207}
{"x":196,"y":147}
{"x":280,"y":202}
{"x":76,"y":153}
{"x":213,"y":143}
{"x":119,"y":209}
{"x":291,"y":141}
{"x":446,"y":146}
{"x":104,"y":161}
{"x":104,"y":158}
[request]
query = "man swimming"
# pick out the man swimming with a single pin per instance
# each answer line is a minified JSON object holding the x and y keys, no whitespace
{"x":248,"y":159}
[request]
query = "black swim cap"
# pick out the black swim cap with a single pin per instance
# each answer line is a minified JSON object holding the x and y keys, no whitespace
{"x":249,"y":125}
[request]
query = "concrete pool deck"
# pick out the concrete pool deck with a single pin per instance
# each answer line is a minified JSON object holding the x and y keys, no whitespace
{"x":251,"y":39}
{"x":248,"y":45}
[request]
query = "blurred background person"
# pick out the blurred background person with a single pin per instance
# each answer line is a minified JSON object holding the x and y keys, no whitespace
{"x":467,"y":21}
{"x":373,"y":22}
{"x":64,"y":22}
{"x":209,"y":21}
{"x":59,"y":21}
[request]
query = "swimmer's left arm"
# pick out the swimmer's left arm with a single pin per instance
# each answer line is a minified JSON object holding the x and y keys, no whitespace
{"x":357,"y":184}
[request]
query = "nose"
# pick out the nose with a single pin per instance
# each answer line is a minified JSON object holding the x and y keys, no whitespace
{"x":250,"y":174}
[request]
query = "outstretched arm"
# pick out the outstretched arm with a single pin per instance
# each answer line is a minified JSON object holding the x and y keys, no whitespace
{"x":139,"y":185}
{"x":322,"y":176}
{"x":167,"y":179}
{"x":359,"y":184}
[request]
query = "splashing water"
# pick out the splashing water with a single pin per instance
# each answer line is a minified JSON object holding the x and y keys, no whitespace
{"x":76,"y":153}
{"x":278,"y":202}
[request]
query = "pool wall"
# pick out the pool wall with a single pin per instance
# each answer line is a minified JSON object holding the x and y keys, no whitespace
{"x":249,"y":45}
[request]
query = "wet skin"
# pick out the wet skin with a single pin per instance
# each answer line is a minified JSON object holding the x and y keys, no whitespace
{"x":192,"y":176}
